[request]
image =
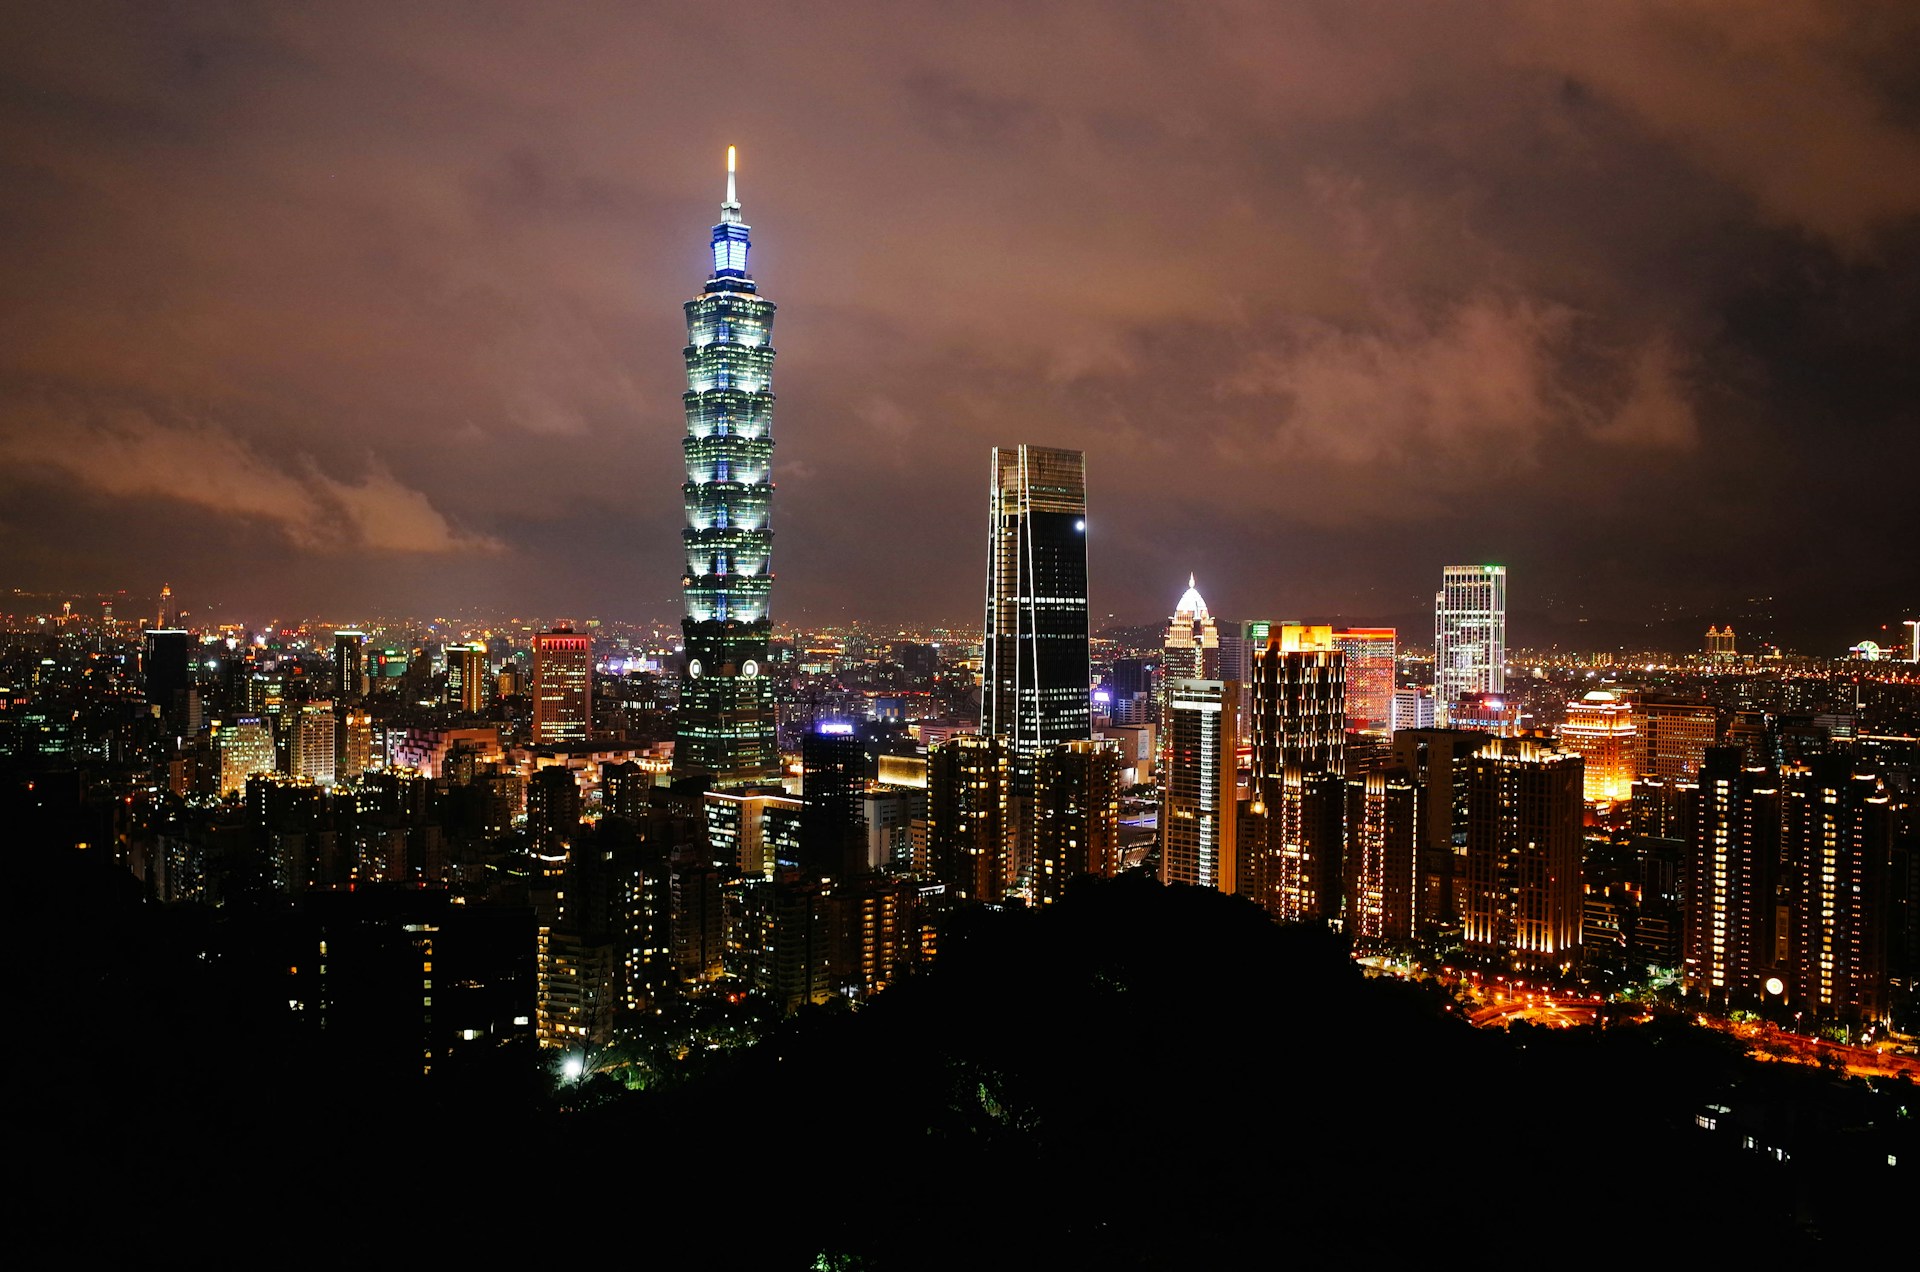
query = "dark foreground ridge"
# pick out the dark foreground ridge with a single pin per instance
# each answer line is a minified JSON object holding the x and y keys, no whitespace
{"x":1137,"y":1077}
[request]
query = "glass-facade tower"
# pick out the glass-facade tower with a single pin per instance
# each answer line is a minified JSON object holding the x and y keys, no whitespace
{"x":726,"y":724}
{"x":1036,"y":680}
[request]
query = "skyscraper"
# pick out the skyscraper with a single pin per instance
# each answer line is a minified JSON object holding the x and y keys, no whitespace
{"x":1036,"y":675}
{"x":1291,"y":839}
{"x":467,"y":678}
{"x":1599,"y":729}
{"x":1469,"y":634}
{"x":725,"y":725}
{"x":1837,"y":845}
{"x":1198,"y":809}
{"x":1523,"y":896}
{"x":1732,"y":924}
{"x":1193,"y":639}
{"x":1076,"y":816}
{"x":562,"y":687}
{"x":349,"y":665}
{"x":310,"y":746}
{"x":1370,"y":667}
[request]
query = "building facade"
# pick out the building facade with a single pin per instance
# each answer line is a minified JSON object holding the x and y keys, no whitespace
{"x":1198,"y":808}
{"x":1370,"y":672}
{"x":1469,"y":634}
{"x":1524,"y":844}
{"x":725,"y":726}
{"x":562,"y":688}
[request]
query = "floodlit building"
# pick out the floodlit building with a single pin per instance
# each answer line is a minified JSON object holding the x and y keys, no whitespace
{"x":310,"y":751}
{"x":1379,"y":875}
{"x":725,"y":724}
{"x":1599,"y":729}
{"x":1730,"y":815}
{"x":1469,"y":634}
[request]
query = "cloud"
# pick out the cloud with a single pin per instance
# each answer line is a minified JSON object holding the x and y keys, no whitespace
{"x":130,"y":455}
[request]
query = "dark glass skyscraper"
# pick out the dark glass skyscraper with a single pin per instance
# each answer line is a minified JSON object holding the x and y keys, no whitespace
{"x":726,"y":728}
{"x":1036,"y":680}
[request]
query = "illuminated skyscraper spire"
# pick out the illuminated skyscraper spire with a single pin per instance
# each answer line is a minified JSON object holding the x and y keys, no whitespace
{"x":725,"y":728}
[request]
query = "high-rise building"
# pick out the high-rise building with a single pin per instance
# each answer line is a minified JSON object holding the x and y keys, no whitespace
{"x":1370,"y":670}
{"x":1193,"y":639}
{"x":1469,"y":634}
{"x":310,"y":744}
{"x":1671,"y":737}
{"x":1076,"y":812}
{"x":1291,"y":838}
{"x":1199,"y":835}
{"x":467,"y":679}
{"x":969,"y":781}
{"x":349,"y":665}
{"x":1436,"y":760}
{"x":245,"y":747}
{"x":1732,"y":932}
{"x":833,"y":833}
{"x":1599,"y":729}
{"x":1036,"y":677}
{"x":1837,"y":843}
{"x":353,"y":744}
{"x":725,"y":725}
{"x":167,"y":665}
{"x":1191,"y":651}
{"x":1380,"y":875}
{"x":562,"y":687}
{"x":1299,"y":702}
{"x":1523,"y":895}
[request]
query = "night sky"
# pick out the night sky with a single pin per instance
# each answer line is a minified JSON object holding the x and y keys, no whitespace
{"x":348,"y":308}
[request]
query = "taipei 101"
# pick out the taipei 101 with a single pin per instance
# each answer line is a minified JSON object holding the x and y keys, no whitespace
{"x":1323,"y":662}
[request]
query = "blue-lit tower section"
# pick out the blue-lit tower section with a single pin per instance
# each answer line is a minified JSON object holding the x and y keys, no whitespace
{"x":726,"y":721}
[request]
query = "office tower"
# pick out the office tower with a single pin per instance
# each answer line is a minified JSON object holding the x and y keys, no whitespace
{"x":1189,"y":651}
{"x":244,"y":747}
{"x":562,"y":688}
{"x":467,"y":678}
{"x":1671,"y":737}
{"x":1379,"y":875}
{"x":310,"y":745}
{"x":1370,"y":672}
{"x":349,"y":665}
{"x":1730,"y":818}
{"x":725,"y":725}
{"x":1290,"y":839}
{"x":1837,"y":844}
{"x":1599,"y":729}
{"x":1193,"y":639}
{"x":167,"y":665}
{"x":353,"y":746}
{"x":753,"y":832}
{"x":1199,"y":835}
{"x":833,"y":834}
{"x":1299,"y":702}
{"x":1469,"y":634}
{"x":1523,"y":895}
{"x":1036,"y":674}
{"x":163,"y":616}
{"x":1076,"y":811}
{"x":1720,"y":646}
{"x":1412,"y":708}
{"x":969,"y":780}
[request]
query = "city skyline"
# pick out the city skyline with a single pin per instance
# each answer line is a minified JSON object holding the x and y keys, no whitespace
{"x":403,"y":360}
